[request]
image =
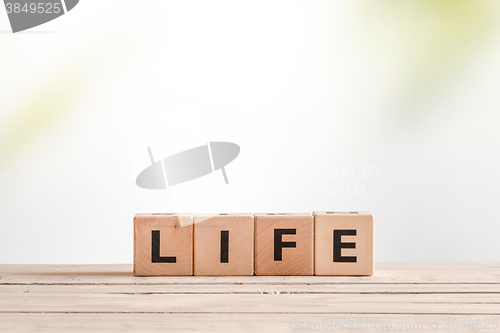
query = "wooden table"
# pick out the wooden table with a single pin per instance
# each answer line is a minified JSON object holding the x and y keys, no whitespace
{"x":399,"y":297}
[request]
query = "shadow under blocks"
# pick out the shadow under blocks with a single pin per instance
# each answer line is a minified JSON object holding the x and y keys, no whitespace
{"x":321,"y":243}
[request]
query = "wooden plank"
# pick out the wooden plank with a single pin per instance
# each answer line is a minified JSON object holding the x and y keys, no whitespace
{"x":245,"y":288}
{"x":489,"y":298}
{"x":109,"y":322}
{"x":108,"y":298}
{"x":251,"y":303}
{"x":385,"y":273}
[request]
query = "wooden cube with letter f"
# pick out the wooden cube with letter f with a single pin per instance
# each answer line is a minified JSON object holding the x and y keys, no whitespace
{"x":284,"y":244}
{"x":343,"y":243}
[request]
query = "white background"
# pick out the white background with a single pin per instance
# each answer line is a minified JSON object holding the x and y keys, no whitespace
{"x":385,"y":106}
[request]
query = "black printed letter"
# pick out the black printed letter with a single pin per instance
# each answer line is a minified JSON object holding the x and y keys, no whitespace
{"x":338,"y":245}
{"x":224,"y":246}
{"x":155,"y":249}
{"x":279,"y":244}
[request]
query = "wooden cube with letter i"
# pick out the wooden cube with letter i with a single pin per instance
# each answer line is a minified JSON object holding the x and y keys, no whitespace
{"x":284,"y":244}
{"x":343,"y":243}
{"x":163,"y":244}
{"x":223,"y":244}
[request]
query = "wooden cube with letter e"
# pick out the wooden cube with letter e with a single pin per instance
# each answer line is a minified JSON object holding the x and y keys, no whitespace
{"x":163,"y":244}
{"x":284,"y":244}
{"x":343,"y":243}
{"x":223,"y":244}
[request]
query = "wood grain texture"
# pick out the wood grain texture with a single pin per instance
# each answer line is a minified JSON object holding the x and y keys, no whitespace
{"x":255,"y":288}
{"x":108,"y":298}
{"x":407,"y":273}
{"x":237,"y":258}
{"x":175,"y":233}
{"x":281,"y":302}
{"x":214,"y":322}
{"x":294,"y":260}
{"x":330,"y":260}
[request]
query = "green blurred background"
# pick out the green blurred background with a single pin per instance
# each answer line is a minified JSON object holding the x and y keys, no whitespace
{"x":386,"y":106}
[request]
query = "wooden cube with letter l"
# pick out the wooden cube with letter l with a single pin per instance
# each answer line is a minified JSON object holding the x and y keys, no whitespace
{"x":343,"y":243}
{"x":223,"y":244}
{"x":163,"y":244}
{"x":284,"y":244}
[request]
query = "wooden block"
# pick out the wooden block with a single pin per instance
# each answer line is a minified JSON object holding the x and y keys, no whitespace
{"x":284,"y":244}
{"x":343,"y":243}
{"x":223,"y":244}
{"x":163,"y":244}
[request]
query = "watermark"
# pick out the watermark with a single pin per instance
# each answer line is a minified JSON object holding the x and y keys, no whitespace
{"x":457,"y":324}
{"x":309,"y":171}
{"x":188,"y":165}
{"x":26,"y":14}
{"x":311,"y":181}
{"x":313,"y":189}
